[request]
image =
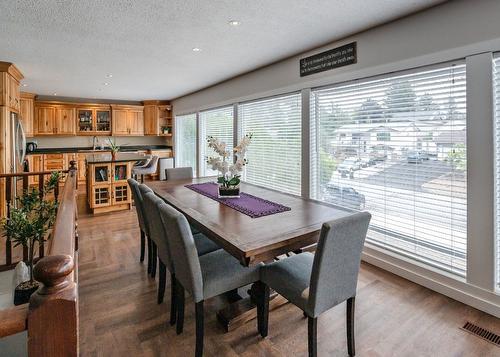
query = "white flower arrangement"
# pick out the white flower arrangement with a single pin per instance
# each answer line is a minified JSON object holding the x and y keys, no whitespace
{"x":230,"y":174}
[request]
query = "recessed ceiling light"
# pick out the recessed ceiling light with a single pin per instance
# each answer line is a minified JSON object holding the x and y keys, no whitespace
{"x":106,"y":83}
{"x":55,"y":93}
{"x":234,"y":23}
{"x":25,"y":85}
{"x":196,"y":49}
{"x":109,"y":76}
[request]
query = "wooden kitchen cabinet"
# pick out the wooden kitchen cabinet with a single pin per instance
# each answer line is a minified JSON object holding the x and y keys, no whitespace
{"x":158,"y":118}
{"x":45,"y":120}
{"x":65,"y":119}
{"x":128,"y":120}
{"x":94,"y":120}
{"x":27,"y":112}
{"x":35,"y":164}
{"x":53,"y":119}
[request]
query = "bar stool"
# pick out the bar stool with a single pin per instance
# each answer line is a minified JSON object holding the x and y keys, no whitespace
{"x":148,"y":169}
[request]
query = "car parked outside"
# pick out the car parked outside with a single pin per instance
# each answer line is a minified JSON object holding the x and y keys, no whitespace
{"x":344,"y":196}
{"x":348,"y":166}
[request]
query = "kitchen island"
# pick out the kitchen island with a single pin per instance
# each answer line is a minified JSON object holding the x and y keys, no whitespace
{"x":107,"y":187}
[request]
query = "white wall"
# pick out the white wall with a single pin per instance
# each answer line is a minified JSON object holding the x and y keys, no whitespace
{"x":449,"y":31}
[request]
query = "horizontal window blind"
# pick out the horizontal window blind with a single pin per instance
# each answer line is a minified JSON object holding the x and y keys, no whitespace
{"x":395,"y":146}
{"x":274,"y":156}
{"x":219,"y":124}
{"x":496,"y":86}
{"x":185,"y":138}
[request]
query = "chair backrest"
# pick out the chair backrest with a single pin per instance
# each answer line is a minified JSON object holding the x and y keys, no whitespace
{"x":336,"y":263}
{"x":156,"y":229}
{"x":153,"y":163}
{"x":179,"y":173}
{"x":139,"y":205}
{"x":183,"y":251}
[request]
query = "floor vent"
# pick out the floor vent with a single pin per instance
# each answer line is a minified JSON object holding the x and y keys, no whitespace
{"x":482,"y":333}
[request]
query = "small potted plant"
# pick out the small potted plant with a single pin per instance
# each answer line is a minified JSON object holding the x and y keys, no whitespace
{"x":165,"y":129}
{"x":229,"y":175}
{"x":113,"y":147}
{"x":27,"y":225}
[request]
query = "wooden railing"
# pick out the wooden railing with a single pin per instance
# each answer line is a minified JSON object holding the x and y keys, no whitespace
{"x":51,"y":317}
{"x":11,"y":190}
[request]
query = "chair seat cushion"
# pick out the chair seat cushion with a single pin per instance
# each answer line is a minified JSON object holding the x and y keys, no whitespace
{"x":203,"y":244}
{"x":221,"y":272}
{"x":290,"y":277}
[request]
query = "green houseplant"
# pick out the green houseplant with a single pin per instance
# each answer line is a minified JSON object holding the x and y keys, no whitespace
{"x":29,"y":221}
{"x":113,"y":146}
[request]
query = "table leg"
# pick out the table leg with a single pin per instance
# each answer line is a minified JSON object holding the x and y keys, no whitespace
{"x":238,"y":313}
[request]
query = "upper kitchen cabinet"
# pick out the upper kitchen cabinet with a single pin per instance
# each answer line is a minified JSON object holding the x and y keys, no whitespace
{"x":128,"y":120}
{"x":27,"y":112}
{"x":95,"y":120}
{"x":157,"y":118}
{"x":54,"y":119}
{"x":10,"y":94}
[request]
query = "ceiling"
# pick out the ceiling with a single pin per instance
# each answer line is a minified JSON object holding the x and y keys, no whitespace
{"x":69,"y":47}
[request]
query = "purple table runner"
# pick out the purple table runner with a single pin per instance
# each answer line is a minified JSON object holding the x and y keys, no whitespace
{"x":248,"y":204}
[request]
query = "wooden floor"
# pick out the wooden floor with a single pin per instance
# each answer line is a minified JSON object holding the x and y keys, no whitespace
{"x":119,"y":315}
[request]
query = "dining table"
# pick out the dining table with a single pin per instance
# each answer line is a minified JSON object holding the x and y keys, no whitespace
{"x":250,"y":240}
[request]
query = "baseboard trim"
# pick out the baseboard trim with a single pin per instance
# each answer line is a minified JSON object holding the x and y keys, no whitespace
{"x":456,"y":289}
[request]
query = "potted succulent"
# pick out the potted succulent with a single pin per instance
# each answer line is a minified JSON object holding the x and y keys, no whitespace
{"x":27,"y":225}
{"x":113,"y":147}
{"x":229,"y":175}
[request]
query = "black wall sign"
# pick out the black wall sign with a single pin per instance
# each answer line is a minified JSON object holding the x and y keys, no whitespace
{"x":337,"y":57}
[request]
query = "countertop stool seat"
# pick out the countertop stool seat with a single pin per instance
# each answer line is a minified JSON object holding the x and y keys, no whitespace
{"x":316,"y":283}
{"x":203,"y":277}
{"x":148,"y":169}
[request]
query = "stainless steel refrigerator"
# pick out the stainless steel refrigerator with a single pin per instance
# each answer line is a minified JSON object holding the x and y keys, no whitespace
{"x":18,"y":144}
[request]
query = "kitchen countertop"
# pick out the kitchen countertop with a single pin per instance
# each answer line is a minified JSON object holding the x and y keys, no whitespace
{"x":106,"y":158}
{"x":89,"y":149}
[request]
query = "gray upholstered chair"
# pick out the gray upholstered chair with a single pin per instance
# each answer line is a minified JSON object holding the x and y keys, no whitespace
{"x":148,"y":169}
{"x":203,"y":277}
{"x":179,"y":173}
{"x":160,"y":250}
{"x":316,"y":283}
{"x":136,"y":195}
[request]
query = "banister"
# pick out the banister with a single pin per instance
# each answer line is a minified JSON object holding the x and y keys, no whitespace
{"x":53,"y":308}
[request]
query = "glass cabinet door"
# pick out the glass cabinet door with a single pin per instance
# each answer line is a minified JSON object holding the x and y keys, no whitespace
{"x":102,"y":196}
{"x":103,"y":120}
{"x":101,"y":173}
{"x":121,"y":193}
{"x":85,"y":120}
{"x":120,"y":172}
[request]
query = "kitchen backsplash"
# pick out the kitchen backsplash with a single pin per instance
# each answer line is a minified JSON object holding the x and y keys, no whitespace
{"x":86,"y":141}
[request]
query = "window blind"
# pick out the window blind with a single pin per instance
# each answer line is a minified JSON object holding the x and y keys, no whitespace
{"x":219,"y":124}
{"x":395,"y":146}
{"x":496,"y":93}
{"x":274,"y":156}
{"x":185,"y":133}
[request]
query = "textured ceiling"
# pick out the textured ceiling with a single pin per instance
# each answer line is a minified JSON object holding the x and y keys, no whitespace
{"x":68,"y":47}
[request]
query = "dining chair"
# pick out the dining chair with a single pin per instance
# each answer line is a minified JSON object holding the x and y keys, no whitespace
{"x":137,"y":197}
{"x":148,"y":169}
{"x":203,"y":244}
{"x":203,"y":277}
{"x":179,"y":173}
{"x":316,"y":283}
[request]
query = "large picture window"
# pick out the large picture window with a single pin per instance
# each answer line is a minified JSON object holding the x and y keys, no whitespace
{"x":396,"y":146}
{"x":217,"y":123}
{"x":274,"y":156}
{"x":185,"y":129}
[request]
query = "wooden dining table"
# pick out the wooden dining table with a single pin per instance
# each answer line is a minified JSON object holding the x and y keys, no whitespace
{"x":250,"y":240}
